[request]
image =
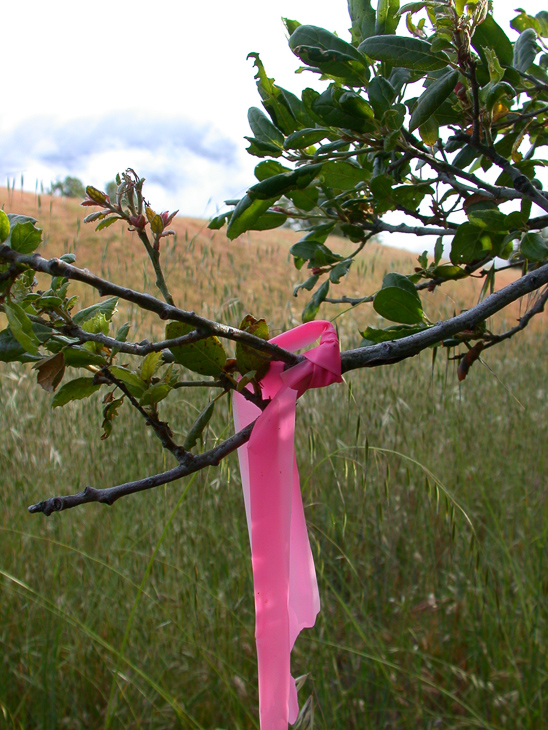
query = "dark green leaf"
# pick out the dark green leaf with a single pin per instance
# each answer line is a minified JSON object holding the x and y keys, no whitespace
{"x":206,"y":357}
{"x":304,"y":138}
{"x":311,"y":309}
{"x":317,"y":253}
{"x":490,"y":34}
{"x":339,"y":270}
{"x":432,"y":98}
{"x":469,"y":244}
{"x":399,"y":305}
{"x":262,"y":149}
{"x":305,"y":199}
{"x":246,"y":213}
{"x":268,"y":221}
{"x":525,"y":50}
{"x":449,"y":271}
{"x":269,"y":168}
{"x":106,"y":308}
{"x":533,"y":247}
{"x":325,"y":44}
{"x":381,"y":95}
{"x":77,"y":356}
{"x":372,"y":336}
{"x":276,"y":186}
{"x":342,"y":175}
{"x":197,"y":428}
{"x":489,"y":218}
{"x":411,"y":53}
{"x":77,"y":389}
{"x":263,"y":129}
{"x":12,"y":351}
{"x":309,"y":284}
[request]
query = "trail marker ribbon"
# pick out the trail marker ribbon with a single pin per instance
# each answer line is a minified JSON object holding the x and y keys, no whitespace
{"x":286,"y":590}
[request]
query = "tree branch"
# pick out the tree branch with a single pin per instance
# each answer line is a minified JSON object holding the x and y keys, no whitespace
{"x":396,"y":350}
{"x":56,"y":267}
{"x":537,"y":308}
{"x":110,"y":495}
{"x":372,"y":356}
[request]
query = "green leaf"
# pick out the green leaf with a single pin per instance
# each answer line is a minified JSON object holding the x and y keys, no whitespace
{"x":315,"y":46}
{"x":247,"y":357}
{"x":339,"y":270}
{"x":131,"y":380}
{"x":206,"y":357}
{"x":276,"y":186}
{"x":372,"y":336}
{"x":107,"y":222}
{"x":400,"y":51}
{"x":311,"y":309}
{"x":77,"y":356}
{"x":525,"y":50}
{"x":342,"y":175}
{"x":150,"y":366}
{"x":487,"y":217}
{"x":269,"y":220}
{"x":198,"y":427}
{"x":309,"y":284}
{"x":269,"y":168}
{"x":155,"y":394}
{"x":381,"y":95}
{"x":434,"y":96}
{"x":21,"y":327}
{"x":399,"y":305}
{"x":246,"y":213}
{"x":12,"y":351}
{"x":328,"y":111}
{"x":262,"y":149}
{"x":77,"y":389}
{"x":363,"y":20}
{"x":304,"y":138}
{"x":387,"y":16}
{"x":533,"y":247}
{"x":317,"y":253}
{"x":305,"y":199}
{"x":263,"y":129}
{"x":25,"y":237}
{"x":283,"y":107}
{"x":449,"y":271}
{"x":469,"y":244}
{"x":490,"y":34}
{"x":107,"y":307}
{"x":218,"y":221}
{"x":4,"y":226}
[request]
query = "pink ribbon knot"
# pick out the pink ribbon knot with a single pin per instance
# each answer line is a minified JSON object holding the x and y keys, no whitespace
{"x":286,"y":590}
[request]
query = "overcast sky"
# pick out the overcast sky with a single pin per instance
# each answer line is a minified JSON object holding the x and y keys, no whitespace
{"x":164,"y":87}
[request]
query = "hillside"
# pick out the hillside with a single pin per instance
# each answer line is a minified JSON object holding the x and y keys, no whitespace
{"x":222,"y":279}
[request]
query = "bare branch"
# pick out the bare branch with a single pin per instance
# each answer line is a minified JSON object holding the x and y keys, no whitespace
{"x":191,"y":464}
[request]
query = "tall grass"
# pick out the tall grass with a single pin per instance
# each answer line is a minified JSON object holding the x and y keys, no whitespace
{"x":426,"y":621}
{"x":427,"y":507}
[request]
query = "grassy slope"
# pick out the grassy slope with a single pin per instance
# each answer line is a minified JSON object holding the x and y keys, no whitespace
{"x":419,"y":627}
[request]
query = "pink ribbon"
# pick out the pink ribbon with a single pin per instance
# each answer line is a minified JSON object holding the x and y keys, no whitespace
{"x":286,"y":590}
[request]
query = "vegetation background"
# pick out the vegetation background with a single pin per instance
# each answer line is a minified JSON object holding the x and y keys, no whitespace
{"x":426,"y":502}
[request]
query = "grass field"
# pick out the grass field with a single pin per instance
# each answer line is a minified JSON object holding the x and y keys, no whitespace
{"x":427,"y":506}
